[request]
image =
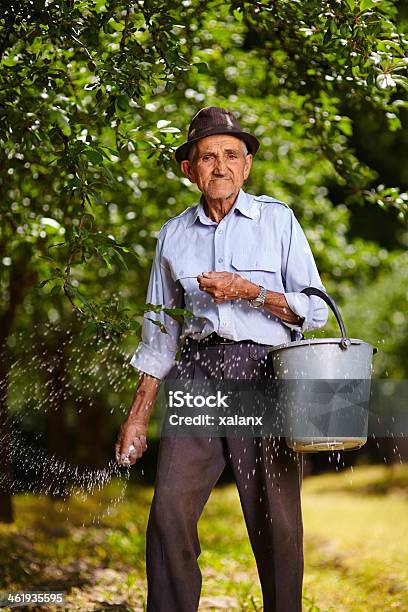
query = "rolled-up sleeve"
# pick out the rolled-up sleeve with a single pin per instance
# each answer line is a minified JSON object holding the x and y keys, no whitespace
{"x":299,"y":271}
{"x":155,"y":355}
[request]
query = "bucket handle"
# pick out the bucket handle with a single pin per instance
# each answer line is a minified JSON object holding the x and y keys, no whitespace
{"x":345,"y":341}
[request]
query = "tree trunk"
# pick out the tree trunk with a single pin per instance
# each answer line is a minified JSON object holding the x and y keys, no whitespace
{"x":20,"y":280}
{"x":6,"y":468}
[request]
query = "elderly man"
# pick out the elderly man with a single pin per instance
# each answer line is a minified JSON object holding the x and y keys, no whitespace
{"x":238,"y":263}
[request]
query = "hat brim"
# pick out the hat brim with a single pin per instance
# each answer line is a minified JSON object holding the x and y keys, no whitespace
{"x":252,"y":143}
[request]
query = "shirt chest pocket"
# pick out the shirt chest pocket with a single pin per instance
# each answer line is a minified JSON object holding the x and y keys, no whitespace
{"x":187,"y":274}
{"x":262,"y":268}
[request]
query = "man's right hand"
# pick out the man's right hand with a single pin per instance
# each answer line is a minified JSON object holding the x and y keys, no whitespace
{"x":131,"y":442}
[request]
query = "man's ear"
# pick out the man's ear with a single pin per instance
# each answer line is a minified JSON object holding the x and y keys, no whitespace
{"x":187,"y":170}
{"x":248,"y":165}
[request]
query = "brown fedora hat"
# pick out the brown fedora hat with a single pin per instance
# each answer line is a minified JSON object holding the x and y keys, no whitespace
{"x":214,"y":120}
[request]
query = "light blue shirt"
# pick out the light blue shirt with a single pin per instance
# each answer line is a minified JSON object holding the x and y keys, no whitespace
{"x":260,"y":239}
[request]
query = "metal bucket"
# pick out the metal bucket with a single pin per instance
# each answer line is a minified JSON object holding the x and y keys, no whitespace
{"x":325,"y":388}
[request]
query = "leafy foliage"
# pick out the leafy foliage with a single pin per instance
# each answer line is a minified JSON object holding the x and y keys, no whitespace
{"x":94,"y":95}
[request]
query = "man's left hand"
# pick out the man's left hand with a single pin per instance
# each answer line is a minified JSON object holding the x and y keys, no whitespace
{"x":224,"y":286}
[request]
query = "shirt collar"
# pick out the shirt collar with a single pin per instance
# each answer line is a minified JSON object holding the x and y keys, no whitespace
{"x":243,"y":204}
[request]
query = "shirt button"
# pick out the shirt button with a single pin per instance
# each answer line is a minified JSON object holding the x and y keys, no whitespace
{"x":220,"y":260}
{"x":220,"y":231}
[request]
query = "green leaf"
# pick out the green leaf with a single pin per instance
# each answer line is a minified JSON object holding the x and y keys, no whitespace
{"x":333,"y":26}
{"x":107,"y":260}
{"x":345,"y":126}
{"x":43,"y":283}
{"x":121,"y":259}
{"x":122,"y":103}
{"x":178,"y":313}
{"x":57,"y":116}
{"x":56,"y":290}
{"x":401,"y":80}
{"x":108,"y":174}
{"x":113,"y":151}
{"x":153,"y":307}
{"x":394,"y":122}
{"x":365,"y":5}
{"x":202,"y":67}
{"x":97,"y":197}
{"x":94,"y":156}
{"x":159,"y":324}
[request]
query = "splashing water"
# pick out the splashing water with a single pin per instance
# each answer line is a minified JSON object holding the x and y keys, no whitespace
{"x":59,"y":373}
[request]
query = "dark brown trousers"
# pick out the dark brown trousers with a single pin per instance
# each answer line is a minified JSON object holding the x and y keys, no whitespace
{"x":268,"y":475}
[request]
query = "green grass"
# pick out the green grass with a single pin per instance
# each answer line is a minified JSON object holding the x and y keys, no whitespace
{"x":356,"y":539}
{"x":356,"y":526}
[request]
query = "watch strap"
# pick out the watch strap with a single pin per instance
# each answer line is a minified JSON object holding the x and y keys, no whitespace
{"x":259,"y":301}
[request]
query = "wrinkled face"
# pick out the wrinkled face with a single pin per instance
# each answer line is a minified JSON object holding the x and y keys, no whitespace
{"x":219,"y":166}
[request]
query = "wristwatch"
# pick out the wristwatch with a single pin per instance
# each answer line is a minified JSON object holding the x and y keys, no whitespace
{"x":259,"y":301}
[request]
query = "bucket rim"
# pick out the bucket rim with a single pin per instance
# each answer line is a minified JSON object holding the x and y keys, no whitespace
{"x":311,"y":341}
